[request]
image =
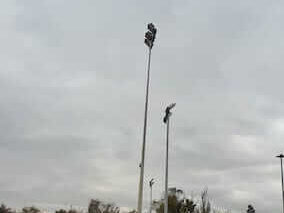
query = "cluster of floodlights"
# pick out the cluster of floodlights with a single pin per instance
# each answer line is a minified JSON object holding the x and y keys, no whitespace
{"x":250,"y":209}
{"x":150,"y":35}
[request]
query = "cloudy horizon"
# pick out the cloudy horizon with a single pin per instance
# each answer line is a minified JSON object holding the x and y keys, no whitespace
{"x":72,"y":79}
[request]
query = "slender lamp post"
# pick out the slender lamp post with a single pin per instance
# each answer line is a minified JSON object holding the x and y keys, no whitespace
{"x":167,"y":121}
{"x":281,"y":156}
{"x":151,"y":183}
{"x":150,"y":36}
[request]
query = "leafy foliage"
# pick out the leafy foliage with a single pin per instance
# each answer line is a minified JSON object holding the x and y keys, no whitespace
{"x":5,"y":209}
{"x":177,"y":203}
{"x":96,"y":206}
{"x":205,"y":206}
{"x":65,"y":211}
{"x":61,"y":211}
{"x":31,"y":209}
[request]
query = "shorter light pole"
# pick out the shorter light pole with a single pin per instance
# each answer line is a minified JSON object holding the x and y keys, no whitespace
{"x":281,"y":156}
{"x":167,"y":121}
{"x":151,"y":183}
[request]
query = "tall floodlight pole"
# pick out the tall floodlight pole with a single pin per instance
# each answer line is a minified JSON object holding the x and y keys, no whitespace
{"x":150,"y":36}
{"x":281,"y":156}
{"x":151,"y":183}
{"x":167,"y":121}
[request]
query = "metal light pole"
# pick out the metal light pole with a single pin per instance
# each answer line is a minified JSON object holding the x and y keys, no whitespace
{"x":151,"y":183}
{"x":281,"y":156}
{"x":167,"y":121}
{"x":150,"y":36}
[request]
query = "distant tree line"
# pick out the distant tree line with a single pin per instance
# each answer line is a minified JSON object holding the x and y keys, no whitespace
{"x":177,"y":203}
{"x":95,"y":206}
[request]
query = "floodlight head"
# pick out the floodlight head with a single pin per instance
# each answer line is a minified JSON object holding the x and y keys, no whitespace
{"x":168,"y":112}
{"x":152,"y":28}
{"x":280,"y":156}
{"x":148,"y":43}
{"x":150,"y":35}
{"x":250,"y":209}
{"x":171,"y":106}
{"x":151,"y":182}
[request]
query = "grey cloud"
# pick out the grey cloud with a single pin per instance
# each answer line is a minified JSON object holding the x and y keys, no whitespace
{"x":72,"y":89}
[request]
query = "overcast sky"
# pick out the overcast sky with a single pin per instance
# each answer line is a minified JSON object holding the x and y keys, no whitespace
{"x":72,"y":86}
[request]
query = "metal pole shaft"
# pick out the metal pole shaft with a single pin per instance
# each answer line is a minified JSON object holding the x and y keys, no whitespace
{"x":141,"y":180}
{"x":282,"y":185}
{"x":166,"y":175}
{"x":150,"y":210}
